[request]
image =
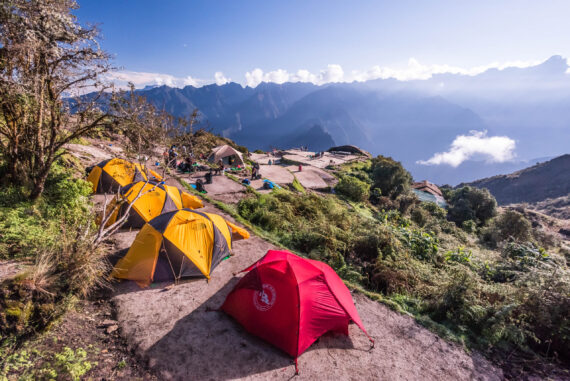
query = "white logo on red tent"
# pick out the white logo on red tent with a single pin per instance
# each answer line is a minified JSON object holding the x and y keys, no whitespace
{"x":264,"y":299}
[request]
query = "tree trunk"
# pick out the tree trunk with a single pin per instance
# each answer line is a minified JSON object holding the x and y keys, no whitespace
{"x":39,"y":183}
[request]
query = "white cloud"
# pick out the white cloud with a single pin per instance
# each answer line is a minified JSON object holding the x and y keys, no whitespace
{"x":142,"y":79}
{"x":414,"y":70}
{"x":495,"y":149}
{"x":221,"y":79}
{"x":333,"y":73}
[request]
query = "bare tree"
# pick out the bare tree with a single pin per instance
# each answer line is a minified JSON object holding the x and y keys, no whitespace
{"x":45,"y":55}
{"x":145,"y":130}
{"x":144,"y":127}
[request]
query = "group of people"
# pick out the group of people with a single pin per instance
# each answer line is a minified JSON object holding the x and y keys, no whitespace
{"x":171,"y":159}
{"x":188,"y":165}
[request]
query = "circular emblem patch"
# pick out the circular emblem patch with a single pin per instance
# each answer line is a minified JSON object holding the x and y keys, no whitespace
{"x":264,"y":299}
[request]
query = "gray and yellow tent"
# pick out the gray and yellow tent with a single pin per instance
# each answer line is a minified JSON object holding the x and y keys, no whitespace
{"x":183,"y":243}
{"x":110,"y":175}
{"x":155,"y":199}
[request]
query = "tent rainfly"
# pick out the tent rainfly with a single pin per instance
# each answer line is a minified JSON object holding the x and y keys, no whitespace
{"x":290,"y":302}
{"x":178,"y":244}
{"x":155,"y":199}
{"x":110,"y":175}
{"x":227,"y":154}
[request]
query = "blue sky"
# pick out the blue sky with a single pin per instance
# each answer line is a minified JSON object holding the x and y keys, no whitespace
{"x":187,"y":42}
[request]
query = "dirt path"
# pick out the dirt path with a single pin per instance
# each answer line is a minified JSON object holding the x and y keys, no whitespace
{"x":180,"y":335}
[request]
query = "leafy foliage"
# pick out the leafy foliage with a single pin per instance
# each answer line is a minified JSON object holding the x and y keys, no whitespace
{"x":353,"y":188}
{"x":54,"y":233}
{"x":46,"y":53}
{"x":389,"y":176}
{"x":508,"y":225}
{"x":469,"y":203}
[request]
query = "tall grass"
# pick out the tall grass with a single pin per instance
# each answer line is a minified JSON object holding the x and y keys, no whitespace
{"x":55,"y":233}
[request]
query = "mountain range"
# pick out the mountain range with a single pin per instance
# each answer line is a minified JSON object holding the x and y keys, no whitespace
{"x":408,"y":120}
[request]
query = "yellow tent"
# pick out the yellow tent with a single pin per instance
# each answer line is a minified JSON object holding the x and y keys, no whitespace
{"x":109,"y":175}
{"x":155,"y":199}
{"x":183,"y":243}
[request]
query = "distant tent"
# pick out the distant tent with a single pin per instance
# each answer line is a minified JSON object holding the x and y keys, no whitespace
{"x":227,"y":154}
{"x":174,"y":245}
{"x":350,"y":149}
{"x":156,"y":198}
{"x":110,"y":175}
{"x":290,"y":302}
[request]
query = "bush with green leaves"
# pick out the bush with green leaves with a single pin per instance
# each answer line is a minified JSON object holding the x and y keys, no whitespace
{"x":525,"y":255}
{"x":389,"y":176}
{"x":469,"y":226}
{"x":353,"y":188}
{"x":509,"y":225}
{"x":459,"y":255}
{"x":422,"y":245}
{"x":470,"y":203}
{"x":27,"y":227}
{"x":54,"y":233}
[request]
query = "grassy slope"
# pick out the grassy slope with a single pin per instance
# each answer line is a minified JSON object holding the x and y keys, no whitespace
{"x":424,"y":266}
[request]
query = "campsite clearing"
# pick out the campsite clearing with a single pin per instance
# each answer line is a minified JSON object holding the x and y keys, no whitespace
{"x":178,"y":332}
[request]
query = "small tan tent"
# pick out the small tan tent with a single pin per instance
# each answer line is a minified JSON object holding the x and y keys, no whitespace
{"x":227,"y":154}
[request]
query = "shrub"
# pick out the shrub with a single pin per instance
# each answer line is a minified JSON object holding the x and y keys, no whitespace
{"x":29,"y":227}
{"x":352,"y":188}
{"x":469,"y":203}
{"x":422,"y":245}
{"x":544,"y":311}
{"x":389,"y":279}
{"x":434,"y":210}
{"x":525,"y":255}
{"x":508,"y":225}
{"x":469,"y":226}
{"x":390,"y":176}
{"x":407,"y":201}
{"x":55,"y":232}
{"x":459,"y":255}
{"x":420,"y":216}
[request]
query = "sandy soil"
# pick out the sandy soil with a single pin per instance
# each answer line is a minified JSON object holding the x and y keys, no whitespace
{"x":180,"y":335}
{"x":313,"y":177}
{"x":276,"y":173}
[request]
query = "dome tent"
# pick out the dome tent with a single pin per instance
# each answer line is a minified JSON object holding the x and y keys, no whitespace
{"x":155,"y":199}
{"x":290,"y":302}
{"x":110,"y":175}
{"x":226,"y":153}
{"x":182,"y":243}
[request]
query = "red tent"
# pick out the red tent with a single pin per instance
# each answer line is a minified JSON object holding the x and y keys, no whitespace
{"x":290,"y":302}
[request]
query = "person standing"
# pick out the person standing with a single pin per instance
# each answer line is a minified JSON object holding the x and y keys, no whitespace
{"x":221,"y":166}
